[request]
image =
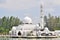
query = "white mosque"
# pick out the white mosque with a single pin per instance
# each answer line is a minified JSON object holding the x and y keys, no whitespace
{"x":29,"y":29}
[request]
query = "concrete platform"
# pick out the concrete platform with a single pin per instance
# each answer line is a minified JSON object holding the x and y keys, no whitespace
{"x":34,"y":37}
{"x":13,"y":36}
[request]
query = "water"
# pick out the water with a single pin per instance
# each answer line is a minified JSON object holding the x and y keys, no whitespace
{"x":29,"y":39}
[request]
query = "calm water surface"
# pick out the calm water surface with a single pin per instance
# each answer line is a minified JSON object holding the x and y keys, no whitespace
{"x":29,"y":39}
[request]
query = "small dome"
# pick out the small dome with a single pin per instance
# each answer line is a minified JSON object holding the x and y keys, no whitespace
{"x":27,"y":20}
{"x":10,"y":32}
{"x":14,"y":28}
{"x":46,"y":29}
{"x":37,"y":25}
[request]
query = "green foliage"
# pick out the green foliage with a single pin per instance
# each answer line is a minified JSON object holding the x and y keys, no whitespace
{"x":52,"y":22}
{"x":6,"y":23}
{"x":57,"y":28}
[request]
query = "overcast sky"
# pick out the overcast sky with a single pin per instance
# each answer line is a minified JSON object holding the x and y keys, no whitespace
{"x":31,"y":8}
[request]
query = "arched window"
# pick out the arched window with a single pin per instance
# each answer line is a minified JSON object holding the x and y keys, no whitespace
{"x":19,"y":33}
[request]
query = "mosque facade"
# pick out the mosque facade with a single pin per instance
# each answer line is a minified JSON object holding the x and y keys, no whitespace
{"x":29,"y":29}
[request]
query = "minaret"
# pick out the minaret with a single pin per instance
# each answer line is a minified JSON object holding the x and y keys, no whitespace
{"x":42,"y":15}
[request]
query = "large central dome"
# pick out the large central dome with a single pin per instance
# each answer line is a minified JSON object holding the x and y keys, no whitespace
{"x":27,"y":20}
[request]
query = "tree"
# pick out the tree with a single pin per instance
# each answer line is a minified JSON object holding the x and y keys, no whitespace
{"x":17,"y":21}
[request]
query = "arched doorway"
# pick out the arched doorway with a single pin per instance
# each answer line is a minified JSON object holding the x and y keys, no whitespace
{"x":19,"y":33}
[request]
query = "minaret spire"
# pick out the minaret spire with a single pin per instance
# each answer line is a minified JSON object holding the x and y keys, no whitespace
{"x":42,"y":15}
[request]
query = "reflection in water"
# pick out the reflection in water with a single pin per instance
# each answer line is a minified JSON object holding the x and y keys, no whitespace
{"x":29,"y":39}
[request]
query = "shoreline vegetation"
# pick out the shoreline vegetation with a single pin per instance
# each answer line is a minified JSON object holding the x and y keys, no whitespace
{"x":6,"y":23}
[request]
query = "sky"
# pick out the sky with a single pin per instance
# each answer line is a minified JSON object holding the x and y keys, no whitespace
{"x":31,"y":8}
